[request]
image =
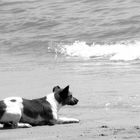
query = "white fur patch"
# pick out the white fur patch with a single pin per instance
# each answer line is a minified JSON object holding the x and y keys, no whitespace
{"x":55,"y":106}
{"x":13,"y":109}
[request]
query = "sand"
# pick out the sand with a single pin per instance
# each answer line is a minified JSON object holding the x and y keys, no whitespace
{"x":89,"y":128}
{"x":97,"y":119}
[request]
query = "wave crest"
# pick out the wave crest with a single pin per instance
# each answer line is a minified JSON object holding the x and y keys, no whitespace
{"x":125,"y":51}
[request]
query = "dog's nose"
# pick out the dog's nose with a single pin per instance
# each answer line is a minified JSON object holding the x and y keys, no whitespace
{"x":76,"y":100}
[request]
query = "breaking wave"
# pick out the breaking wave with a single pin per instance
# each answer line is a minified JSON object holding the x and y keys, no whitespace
{"x":125,"y":51}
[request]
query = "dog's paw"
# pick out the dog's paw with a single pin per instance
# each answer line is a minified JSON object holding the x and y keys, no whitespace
{"x":65,"y":120}
{"x":28,"y":126}
{"x":24,"y":125}
{"x":75,"y":121}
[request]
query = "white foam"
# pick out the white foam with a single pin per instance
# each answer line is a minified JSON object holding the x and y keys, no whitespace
{"x":119,"y":51}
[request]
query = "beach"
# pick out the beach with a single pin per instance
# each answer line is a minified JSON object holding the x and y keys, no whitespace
{"x":92,"y":46}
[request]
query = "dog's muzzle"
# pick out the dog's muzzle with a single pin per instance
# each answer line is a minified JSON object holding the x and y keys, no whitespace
{"x":74,"y":101}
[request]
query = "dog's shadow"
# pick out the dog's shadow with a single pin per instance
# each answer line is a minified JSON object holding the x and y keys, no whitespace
{"x":7,"y":126}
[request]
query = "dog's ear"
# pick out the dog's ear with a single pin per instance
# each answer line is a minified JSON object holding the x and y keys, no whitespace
{"x":56,"y":89}
{"x":64,"y":93}
{"x":66,"y":89}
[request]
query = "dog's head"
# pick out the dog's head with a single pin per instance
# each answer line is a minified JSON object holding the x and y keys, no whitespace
{"x":64,"y":96}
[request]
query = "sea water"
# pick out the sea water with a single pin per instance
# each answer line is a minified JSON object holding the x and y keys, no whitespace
{"x":92,"y":45}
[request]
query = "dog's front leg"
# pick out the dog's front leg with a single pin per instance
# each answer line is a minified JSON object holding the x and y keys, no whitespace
{"x":64,"y":120}
{"x":16,"y":125}
{"x":23,"y":125}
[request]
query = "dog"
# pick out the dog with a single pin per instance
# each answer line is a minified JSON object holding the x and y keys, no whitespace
{"x":17,"y":112}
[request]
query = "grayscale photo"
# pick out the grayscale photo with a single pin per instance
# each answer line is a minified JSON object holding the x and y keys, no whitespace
{"x":69,"y":69}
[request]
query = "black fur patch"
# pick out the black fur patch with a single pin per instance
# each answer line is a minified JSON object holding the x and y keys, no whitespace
{"x":58,"y":98}
{"x":34,"y":108}
{"x":2,"y":108}
{"x":64,"y":97}
{"x":61,"y":95}
{"x":13,"y":100}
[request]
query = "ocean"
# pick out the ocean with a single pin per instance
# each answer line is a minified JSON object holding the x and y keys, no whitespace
{"x":91,"y":45}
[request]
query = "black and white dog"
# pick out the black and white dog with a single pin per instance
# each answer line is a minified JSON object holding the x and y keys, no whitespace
{"x":19,"y":112}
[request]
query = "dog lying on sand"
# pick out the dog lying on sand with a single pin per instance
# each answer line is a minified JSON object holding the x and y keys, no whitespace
{"x":19,"y":112}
